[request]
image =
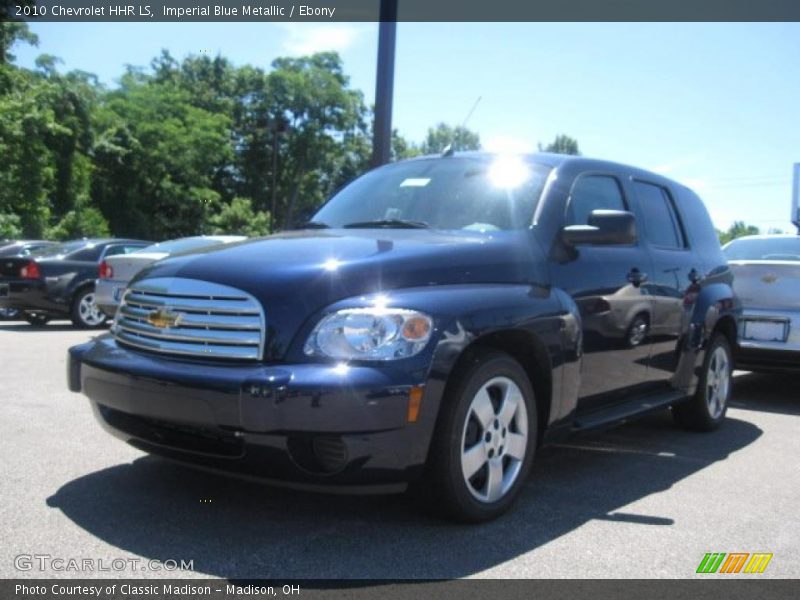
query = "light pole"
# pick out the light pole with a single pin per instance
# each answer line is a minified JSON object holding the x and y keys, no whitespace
{"x":384,"y":84}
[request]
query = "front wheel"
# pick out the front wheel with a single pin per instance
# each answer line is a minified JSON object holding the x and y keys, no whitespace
{"x":85,"y":312}
{"x":486,"y":438}
{"x":637,"y":331}
{"x":706,"y":410}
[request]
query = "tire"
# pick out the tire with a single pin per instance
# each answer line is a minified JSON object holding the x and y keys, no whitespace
{"x":637,"y":331}
{"x":706,"y":410}
{"x":85,"y":312}
{"x":499,"y":463}
{"x":10,"y":314}
{"x":37,"y":319}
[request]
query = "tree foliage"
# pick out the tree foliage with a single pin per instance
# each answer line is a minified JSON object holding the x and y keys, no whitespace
{"x":737,"y":230}
{"x":562,"y":144}
{"x":239,"y":218}
{"x":443,"y":135}
{"x":78,"y":223}
{"x":182,"y":147}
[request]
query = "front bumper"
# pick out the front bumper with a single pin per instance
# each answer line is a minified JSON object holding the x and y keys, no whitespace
{"x":760,"y":355}
{"x":309,"y":425}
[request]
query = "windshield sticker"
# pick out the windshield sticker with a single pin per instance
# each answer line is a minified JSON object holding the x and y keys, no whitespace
{"x":416,"y":182}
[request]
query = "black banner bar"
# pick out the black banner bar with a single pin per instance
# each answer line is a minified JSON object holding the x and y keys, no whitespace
{"x":409,"y":10}
{"x":729,"y":588}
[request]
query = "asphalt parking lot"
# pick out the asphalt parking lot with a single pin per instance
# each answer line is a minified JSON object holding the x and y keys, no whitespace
{"x":642,"y":500}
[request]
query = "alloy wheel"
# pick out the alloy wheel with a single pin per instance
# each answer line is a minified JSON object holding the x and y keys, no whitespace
{"x":494,"y":439}
{"x":718,"y":380}
{"x":89,"y":311}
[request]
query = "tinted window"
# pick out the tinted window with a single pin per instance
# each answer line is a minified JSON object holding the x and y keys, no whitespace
{"x":446,"y":193}
{"x":59,"y":249}
{"x":777,"y":248}
{"x":88,"y":254}
{"x":115,"y":250}
{"x":593,"y":192}
{"x":660,"y":219}
{"x":11,"y":250}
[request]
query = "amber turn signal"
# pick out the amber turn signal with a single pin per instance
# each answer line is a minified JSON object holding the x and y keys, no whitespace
{"x":414,"y":403}
{"x":416,"y":328}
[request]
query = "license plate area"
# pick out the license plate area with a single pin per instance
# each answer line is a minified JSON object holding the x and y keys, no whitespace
{"x":764,"y":330}
{"x":117,"y":293}
{"x":3,"y":290}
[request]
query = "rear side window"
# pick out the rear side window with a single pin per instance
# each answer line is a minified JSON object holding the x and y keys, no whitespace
{"x":116,"y":250}
{"x":660,"y":218}
{"x":88,"y":254}
{"x":593,"y":192}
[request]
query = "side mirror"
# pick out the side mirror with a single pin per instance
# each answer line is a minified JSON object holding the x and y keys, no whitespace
{"x":607,"y":227}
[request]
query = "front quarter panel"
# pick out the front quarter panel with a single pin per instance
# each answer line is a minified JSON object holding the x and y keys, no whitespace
{"x":463,"y":315}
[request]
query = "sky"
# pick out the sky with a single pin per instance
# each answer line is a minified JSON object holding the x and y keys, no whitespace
{"x":715,"y":106}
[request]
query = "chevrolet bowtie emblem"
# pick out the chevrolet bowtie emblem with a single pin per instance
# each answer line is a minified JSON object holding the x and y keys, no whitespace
{"x":163,"y":318}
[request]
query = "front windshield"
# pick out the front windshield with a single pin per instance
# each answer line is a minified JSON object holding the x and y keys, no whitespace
{"x":468,"y":193}
{"x":777,"y":248}
{"x":59,"y":249}
{"x":181,"y":245}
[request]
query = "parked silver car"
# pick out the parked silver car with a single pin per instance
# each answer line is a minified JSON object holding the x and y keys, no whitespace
{"x":766,"y":272}
{"x":117,"y":271}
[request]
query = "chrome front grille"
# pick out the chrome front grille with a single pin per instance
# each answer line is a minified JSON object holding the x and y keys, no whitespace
{"x":189,"y":317}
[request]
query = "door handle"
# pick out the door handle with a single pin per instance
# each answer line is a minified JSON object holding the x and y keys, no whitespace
{"x":636,"y":277}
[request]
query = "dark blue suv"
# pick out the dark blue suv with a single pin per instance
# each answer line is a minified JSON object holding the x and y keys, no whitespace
{"x":434,"y":324}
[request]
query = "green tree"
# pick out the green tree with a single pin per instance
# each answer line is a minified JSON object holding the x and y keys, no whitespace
{"x":402,"y":148}
{"x":156,"y":158}
{"x":737,"y":230}
{"x":27,"y":171}
{"x":12,"y":32}
{"x":77,"y":223}
{"x":443,"y":135}
{"x":9,"y":226}
{"x":311,"y":95}
{"x":239,"y":218}
{"x":562,"y":144}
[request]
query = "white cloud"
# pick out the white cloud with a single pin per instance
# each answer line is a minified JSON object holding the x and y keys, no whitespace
{"x":304,"y":38}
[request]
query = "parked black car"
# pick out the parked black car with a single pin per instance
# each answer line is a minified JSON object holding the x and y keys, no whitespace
{"x":58,"y":280}
{"x":19,"y":248}
{"x":436,"y":322}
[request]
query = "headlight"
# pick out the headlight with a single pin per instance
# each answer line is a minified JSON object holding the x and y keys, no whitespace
{"x":370,"y":334}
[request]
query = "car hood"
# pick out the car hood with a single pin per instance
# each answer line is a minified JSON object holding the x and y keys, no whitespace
{"x":297,"y":274}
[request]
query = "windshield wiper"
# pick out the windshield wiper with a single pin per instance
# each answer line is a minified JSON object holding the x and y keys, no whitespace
{"x":388,"y":224}
{"x":314,"y":225}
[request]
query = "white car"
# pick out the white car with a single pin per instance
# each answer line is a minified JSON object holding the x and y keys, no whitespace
{"x":117,"y":271}
{"x":766,"y":277}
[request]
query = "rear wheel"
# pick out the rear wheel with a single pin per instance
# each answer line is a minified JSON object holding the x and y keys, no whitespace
{"x":37,"y":319}
{"x":485,"y":442}
{"x":85,"y":312}
{"x":706,"y":410}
